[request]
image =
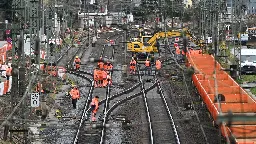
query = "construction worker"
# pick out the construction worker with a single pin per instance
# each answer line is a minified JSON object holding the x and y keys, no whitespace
{"x":75,"y":95}
{"x":39,"y":88}
{"x":158,"y":65}
{"x":147,"y":66}
{"x":100,"y":75}
{"x":108,"y":65}
{"x":94,"y":107}
{"x":177,"y":50}
{"x":8,"y":72}
{"x":77,"y":63}
{"x":101,"y":63}
{"x":104,"y":75}
{"x":96,"y":77}
{"x":133,"y":66}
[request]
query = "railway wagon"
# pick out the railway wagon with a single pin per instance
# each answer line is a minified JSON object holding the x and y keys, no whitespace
{"x":233,"y":97}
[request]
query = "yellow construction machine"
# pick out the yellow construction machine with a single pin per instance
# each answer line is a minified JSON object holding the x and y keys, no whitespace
{"x":147,"y":44}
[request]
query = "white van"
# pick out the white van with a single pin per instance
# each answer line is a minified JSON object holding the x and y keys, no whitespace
{"x":248,"y":61}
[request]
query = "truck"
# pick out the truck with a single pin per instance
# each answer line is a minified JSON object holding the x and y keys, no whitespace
{"x":248,"y":61}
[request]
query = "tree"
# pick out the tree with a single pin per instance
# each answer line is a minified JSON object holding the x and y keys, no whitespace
{"x":6,"y":6}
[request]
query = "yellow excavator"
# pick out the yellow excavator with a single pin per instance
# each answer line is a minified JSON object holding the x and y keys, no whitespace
{"x":146,"y":45}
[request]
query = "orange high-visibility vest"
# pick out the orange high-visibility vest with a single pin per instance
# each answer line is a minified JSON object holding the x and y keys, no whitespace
{"x":95,"y":73}
{"x":147,"y":63}
{"x":133,"y":63}
{"x":77,"y":61}
{"x":9,"y":71}
{"x":177,"y":50}
{"x":158,"y":64}
{"x":95,"y":103}
{"x":101,"y":65}
{"x":74,"y":94}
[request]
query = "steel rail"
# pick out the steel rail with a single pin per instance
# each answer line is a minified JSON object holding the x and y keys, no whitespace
{"x":102,"y":139}
{"x":117,"y":95}
{"x":146,"y":106}
{"x":120,"y":102}
{"x":177,"y":139}
{"x":84,"y":114}
{"x":66,"y":52}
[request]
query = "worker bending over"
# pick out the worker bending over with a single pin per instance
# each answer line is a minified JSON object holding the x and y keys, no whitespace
{"x":99,"y":76}
{"x":158,"y":65}
{"x":101,"y":63}
{"x":77,"y":63}
{"x":75,"y":95}
{"x":133,"y":66}
{"x":94,"y":107}
{"x":147,"y":66}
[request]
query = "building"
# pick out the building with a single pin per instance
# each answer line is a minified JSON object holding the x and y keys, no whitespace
{"x":105,"y":18}
{"x":251,"y":7}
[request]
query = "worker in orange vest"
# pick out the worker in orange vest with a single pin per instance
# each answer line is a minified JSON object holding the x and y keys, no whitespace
{"x":8,"y":72}
{"x":94,"y":107}
{"x":147,"y":66}
{"x":95,"y":76}
{"x":101,"y":63}
{"x":100,"y":75}
{"x":108,"y":66}
{"x":177,"y":50}
{"x":75,"y":95}
{"x":133,"y":66}
{"x":158,"y":65}
{"x":39,"y":88}
{"x":77,"y":63}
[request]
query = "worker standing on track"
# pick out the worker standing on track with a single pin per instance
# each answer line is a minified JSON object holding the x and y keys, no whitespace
{"x":75,"y":95}
{"x":147,"y":66}
{"x":133,"y":66}
{"x":94,"y":107}
{"x":77,"y":63}
{"x":108,"y":66}
{"x":104,"y":75}
{"x":158,"y":65}
{"x":101,"y":63}
{"x":100,"y":74}
{"x":95,"y":76}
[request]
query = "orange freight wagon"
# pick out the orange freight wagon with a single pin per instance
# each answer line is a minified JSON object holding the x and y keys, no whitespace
{"x":233,"y":97}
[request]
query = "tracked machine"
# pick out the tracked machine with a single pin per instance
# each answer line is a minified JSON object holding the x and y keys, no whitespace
{"x":146,"y":46}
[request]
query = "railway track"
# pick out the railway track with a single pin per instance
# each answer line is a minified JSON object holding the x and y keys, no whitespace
{"x":161,"y":126}
{"x":70,"y":57}
{"x":85,"y":134}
